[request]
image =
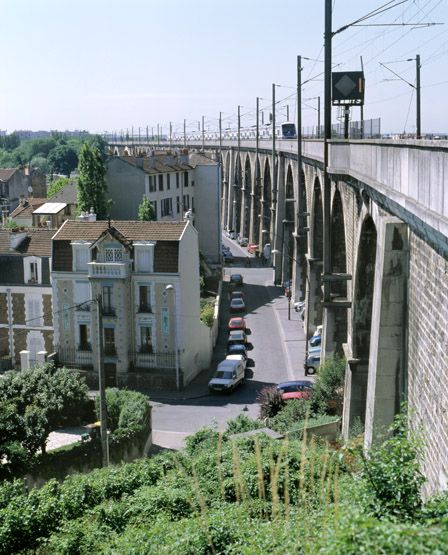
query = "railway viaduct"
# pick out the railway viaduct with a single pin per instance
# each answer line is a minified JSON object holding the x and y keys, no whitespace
{"x":388,"y":235}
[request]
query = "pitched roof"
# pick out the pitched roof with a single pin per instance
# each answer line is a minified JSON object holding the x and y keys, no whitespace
{"x":37,"y":243}
{"x":131,"y":230}
{"x":7,"y":173}
{"x":66,"y":194}
{"x":156,"y":164}
{"x":28,"y":207}
{"x":50,"y":208}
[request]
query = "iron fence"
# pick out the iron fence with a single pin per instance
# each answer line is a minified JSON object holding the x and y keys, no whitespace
{"x":141,"y":361}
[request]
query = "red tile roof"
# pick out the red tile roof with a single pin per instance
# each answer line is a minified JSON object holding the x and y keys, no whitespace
{"x":37,"y":243}
{"x":28,"y":208}
{"x":131,"y":230}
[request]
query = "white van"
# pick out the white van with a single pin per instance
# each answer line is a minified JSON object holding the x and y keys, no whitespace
{"x":229,"y":374}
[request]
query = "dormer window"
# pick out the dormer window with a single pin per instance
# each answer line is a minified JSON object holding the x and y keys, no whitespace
{"x":114,"y":254}
{"x":32,"y":270}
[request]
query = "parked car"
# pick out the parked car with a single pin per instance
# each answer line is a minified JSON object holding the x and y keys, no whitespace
{"x":312,"y":361}
{"x":237,"y":349}
{"x":238,"y":323}
{"x":237,"y":336}
{"x":243,"y":241}
{"x":296,"y":389}
{"x":229,"y":374}
{"x":236,"y":295}
{"x":315,"y":341}
{"x":236,"y":279}
{"x":237,"y":305}
{"x":228,"y":257}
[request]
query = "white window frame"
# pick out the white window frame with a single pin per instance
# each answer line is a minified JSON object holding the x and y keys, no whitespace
{"x":146,"y":247}
{"x":81,"y":255}
{"x":27,"y":265}
{"x":34,"y":310}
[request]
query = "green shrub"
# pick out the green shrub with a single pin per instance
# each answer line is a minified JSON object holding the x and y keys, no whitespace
{"x":328,"y":391}
{"x":127,"y":411}
{"x":207,"y":314}
{"x":392,"y":473}
{"x":242,"y":423}
{"x":294,"y":411}
{"x":204,"y":438}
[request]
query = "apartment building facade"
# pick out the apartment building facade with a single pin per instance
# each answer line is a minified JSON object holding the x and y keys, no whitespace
{"x":26,"y":321}
{"x":174,"y":182}
{"x":146,"y":277}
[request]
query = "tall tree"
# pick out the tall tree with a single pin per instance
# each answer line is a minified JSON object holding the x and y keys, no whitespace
{"x":62,"y":159}
{"x":146,"y":211}
{"x":92,"y":188}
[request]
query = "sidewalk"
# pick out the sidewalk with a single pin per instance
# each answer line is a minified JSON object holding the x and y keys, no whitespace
{"x":293,"y":337}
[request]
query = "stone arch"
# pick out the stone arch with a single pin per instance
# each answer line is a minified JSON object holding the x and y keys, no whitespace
{"x":257,"y":204}
{"x":302,"y":237}
{"x":245,"y":209}
{"x":237,"y":194}
{"x":363,"y":291}
{"x":288,"y":225}
{"x":358,"y":368}
{"x":338,"y":266}
{"x":314,"y":290}
{"x":266,"y":203}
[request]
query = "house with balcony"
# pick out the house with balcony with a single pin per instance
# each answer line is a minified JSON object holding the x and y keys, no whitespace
{"x":175,"y":182}
{"x":127,"y":296}
{"x":26,"y":319}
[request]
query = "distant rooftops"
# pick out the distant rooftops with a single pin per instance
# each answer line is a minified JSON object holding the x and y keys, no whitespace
{"x":67,"y":194}
{"x":27,"y":206}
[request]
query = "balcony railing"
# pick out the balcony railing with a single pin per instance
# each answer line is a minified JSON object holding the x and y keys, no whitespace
{"x":109,"y":311}
{"x":139,"y":361}
{"x":108,"y":269}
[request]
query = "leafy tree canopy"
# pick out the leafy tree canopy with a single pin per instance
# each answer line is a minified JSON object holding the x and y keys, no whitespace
{"x":92,"y":186}
{"x":146,"y":211}
{"x":62,"y":159}
{"x":56,"y":185}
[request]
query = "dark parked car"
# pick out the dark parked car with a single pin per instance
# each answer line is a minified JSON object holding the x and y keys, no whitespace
{"x":236,"y":349}
{"x":236,"y":279}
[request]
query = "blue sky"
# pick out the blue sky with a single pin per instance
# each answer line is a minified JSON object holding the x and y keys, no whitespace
{"x":109,"y":65}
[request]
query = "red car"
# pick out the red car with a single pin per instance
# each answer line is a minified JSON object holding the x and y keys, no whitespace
{"x":297,"y":389}
{"x":238,"y":323}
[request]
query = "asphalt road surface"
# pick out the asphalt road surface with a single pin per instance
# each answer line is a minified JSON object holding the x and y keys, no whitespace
{"x":176,"y":417}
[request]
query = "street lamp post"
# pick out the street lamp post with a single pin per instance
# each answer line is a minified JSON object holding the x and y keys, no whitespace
{"x":170,"y":287}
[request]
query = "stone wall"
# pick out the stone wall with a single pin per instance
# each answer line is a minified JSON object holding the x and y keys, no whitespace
{"x":428,"y":358}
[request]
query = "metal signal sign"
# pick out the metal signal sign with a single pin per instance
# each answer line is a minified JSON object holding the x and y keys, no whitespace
{"x":347,"y":88}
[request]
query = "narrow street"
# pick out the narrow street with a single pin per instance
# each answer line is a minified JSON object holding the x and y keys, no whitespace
{"x":276,"y":350}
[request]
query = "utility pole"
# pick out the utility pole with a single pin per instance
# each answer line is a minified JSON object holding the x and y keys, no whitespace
{"x":171,"y":132}
{"x":318,"y":117}
{"x":299,"y":218}
{"x":418,"y":129}
{"x":239,"y":129}
{"x":158,"y":135}
{"x":220,"y":132}
{"x":147,"y":134}
{"x":327,"y":137}
{"x":203,"y":133}
{"x":102,"y":384}
{"x":287,"y":112}
{"x":362,"y":106}
{"x":274,"y":183}
{"x":346,"y":120}
{"x":132,"y":135}
{"x":185,"y":133}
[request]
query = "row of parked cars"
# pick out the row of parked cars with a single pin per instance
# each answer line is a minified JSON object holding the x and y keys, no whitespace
{"x":232,"y":370}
